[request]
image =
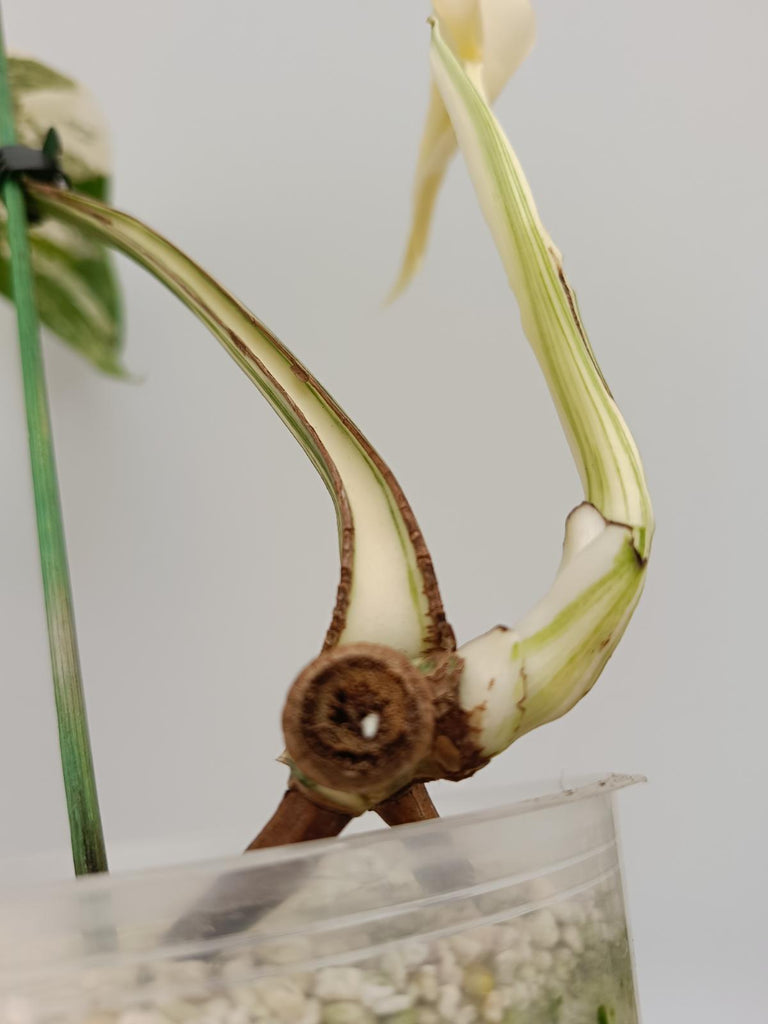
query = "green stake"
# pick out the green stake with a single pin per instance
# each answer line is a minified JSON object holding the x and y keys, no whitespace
{"x":88,"y":851}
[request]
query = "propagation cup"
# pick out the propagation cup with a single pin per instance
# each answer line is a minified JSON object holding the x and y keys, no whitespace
{"x":510,"y":915}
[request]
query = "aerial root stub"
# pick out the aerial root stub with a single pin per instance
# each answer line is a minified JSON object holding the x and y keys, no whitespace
{"x":357,"y":717}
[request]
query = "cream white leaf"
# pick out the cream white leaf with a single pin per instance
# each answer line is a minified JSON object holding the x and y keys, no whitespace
{"x":604,"y":450}
{"x":388,"y":593}
{"x":493,"y":37}
{"x":515,"y":680}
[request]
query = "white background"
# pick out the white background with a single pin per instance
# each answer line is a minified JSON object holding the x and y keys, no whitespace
{"x":275,"y":142}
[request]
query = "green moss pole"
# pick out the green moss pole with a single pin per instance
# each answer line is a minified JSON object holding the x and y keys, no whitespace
{"x":87,"y":838}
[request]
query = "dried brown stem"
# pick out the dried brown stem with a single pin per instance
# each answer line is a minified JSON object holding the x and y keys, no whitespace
{"x":412,"y":804}
{"x":297,"y":820}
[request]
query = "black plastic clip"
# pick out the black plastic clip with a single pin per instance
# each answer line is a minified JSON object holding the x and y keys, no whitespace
{"x":40,"y":164}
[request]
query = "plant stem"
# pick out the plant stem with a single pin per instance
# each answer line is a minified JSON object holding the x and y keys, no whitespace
{"x":297,"y":820}
{"x":88,"y":850}
{"x":413,"y":804}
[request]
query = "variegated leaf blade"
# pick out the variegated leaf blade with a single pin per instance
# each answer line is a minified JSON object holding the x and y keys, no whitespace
{"x":77,"y":291}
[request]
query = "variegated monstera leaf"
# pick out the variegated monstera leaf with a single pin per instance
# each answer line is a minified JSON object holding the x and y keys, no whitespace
{"x":76,"y":287}
{"x":491,"y":38}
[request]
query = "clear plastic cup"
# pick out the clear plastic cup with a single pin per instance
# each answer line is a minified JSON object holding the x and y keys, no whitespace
{"x":510,"y":915}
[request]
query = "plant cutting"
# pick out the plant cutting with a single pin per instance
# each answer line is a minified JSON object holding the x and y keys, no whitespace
{"x":390,"y":703}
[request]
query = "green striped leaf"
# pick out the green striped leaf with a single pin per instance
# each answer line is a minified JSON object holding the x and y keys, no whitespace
{"x":517,"y":679}
{"x":493,"y":38}
{"x":75,"y":284}
{"x":604,"y":450}
{"x":388,"y":593}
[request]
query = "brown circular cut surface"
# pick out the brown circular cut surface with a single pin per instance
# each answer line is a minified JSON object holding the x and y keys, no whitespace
{"x":358,"y":716}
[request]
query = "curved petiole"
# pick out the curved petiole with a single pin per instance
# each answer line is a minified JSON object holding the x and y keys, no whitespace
{"x":515,"y":680}
{"x":388,"y":592}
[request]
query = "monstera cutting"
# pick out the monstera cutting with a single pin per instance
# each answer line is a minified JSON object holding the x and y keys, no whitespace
{"x":390,"y":703}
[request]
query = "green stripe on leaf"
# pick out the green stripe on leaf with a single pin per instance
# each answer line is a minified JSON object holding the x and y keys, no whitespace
{"x":388,"y":593}
{"x":515,"y":680}
{"x":602,"y":445}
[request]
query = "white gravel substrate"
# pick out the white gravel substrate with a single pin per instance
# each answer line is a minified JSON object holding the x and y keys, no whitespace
{"x":564,"y":964}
